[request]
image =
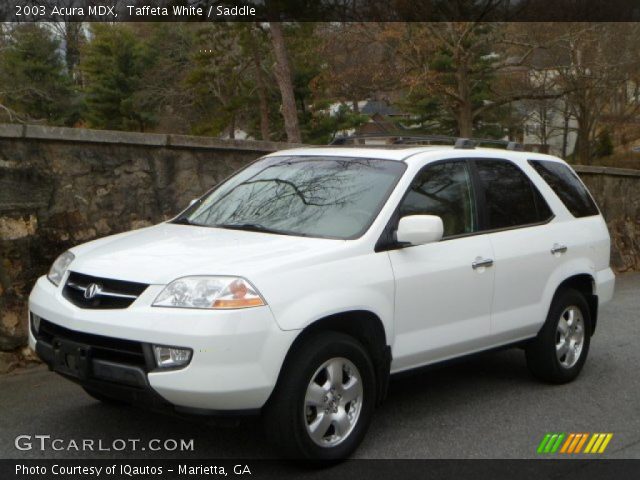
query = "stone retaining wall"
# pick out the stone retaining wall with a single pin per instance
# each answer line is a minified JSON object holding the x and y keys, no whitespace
{"x":617,"y":193}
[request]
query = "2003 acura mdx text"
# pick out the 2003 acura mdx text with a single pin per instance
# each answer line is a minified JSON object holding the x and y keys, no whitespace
{"x":297,"y":286}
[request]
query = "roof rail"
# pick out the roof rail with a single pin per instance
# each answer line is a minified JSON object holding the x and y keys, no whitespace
{"x":465,"y":143}
{"x":507,"y":144}
{"x":457,"y":142}
{"x":396,"y":139}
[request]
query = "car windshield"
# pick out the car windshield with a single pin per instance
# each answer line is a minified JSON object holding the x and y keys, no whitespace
{"x":331,"y":197}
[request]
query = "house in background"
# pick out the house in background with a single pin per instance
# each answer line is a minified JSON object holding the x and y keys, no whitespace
{"x":546,"y":124}
{"x":384,"y":120}
{"x":384,"y":123}
{"x":548,"y":128}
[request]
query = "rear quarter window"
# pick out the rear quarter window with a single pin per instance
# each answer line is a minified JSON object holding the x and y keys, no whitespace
{"x":567,"y":186}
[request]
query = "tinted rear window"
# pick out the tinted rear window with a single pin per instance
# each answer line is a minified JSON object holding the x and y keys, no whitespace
{"x":511,"y":199}
{"x":567,"y":186}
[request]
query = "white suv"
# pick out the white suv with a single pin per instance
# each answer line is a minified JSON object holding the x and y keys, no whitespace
{"x":297,"y":286}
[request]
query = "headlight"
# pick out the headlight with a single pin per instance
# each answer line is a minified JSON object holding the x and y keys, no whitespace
{"x":35,"y":324}
{"x":59,"y":267}
{"x":209,"y":292}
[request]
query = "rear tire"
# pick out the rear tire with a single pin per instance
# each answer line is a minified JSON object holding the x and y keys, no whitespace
{"x":324,"y":400}
{"x":560,"y":350}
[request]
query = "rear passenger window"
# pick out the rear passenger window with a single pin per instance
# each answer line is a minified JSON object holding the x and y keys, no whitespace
{"x":511,"y":199}
{"x":567,"y":186}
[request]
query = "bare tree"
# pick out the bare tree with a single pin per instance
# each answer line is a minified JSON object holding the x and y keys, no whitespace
{"x":70,"y":31}
{"x":283,"y":77}
{"x":353,"y":59}
{"x":470,"y":67}
{"x":549,"y":116}
{"x":592,"y":62}
{"x":261,"y":84}
{"x":72,"y":34}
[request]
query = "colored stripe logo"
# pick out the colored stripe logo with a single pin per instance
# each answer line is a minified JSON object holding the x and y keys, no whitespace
{"x":572,"y":443}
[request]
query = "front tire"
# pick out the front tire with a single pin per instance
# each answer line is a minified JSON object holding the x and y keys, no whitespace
{"x":324,"y":400}
{"x":560,"y":350}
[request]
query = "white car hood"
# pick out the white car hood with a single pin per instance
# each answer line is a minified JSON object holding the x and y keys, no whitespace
{"x":162,"y":253}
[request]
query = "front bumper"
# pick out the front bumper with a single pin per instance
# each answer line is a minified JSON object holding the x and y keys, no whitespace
{"x":237,"y":354}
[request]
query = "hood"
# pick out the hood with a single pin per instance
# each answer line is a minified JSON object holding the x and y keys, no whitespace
{"x":162,"y":253}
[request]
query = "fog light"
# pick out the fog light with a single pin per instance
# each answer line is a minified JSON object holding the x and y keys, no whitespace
{"x":168,"y":357}
{"x":35,"y":324}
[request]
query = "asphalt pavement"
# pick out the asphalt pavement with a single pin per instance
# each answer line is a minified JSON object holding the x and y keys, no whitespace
{"x":486,"y":407}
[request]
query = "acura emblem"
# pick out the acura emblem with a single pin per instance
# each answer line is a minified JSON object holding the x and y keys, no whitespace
{"x":92,"y":290}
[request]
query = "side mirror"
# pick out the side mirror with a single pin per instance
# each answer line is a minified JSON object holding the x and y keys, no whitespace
{"x":419,"y":229}
{"x":193,"y":201}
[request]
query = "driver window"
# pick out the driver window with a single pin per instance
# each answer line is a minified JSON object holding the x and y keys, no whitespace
{"x":443,"y":189}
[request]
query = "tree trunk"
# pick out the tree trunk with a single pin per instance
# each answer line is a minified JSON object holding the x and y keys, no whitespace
{"x":262,"y":97}
{"x":465,"y":107}
{"x":544,"y":118}
{"x":232,"y":128}
{"x":585,"y":129}
{"x":283,"y":77}
{"x":73,"y":39}
{"x":465,"y":121}
{"x":566,"y":117}
{"x":565,"y":137}
{"x":583,"y":147}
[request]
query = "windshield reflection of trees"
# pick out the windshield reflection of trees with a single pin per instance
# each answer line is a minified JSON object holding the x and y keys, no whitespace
{"x":294,"y":194}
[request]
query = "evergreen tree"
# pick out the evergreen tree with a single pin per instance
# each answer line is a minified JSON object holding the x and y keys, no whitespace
{"x":220,"y":80}
{"x":323,"y":126}
{"x":162,"y":90}
{"x":115,"y":60}
{"x":312,"y":81}
{"x":34,"y":84}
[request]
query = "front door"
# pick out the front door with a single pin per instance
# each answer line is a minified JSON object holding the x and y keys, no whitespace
{"x":444,"y":289}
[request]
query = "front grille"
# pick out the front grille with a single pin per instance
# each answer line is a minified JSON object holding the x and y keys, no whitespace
{"x":107,"y":293}
{"x":103,"y":348}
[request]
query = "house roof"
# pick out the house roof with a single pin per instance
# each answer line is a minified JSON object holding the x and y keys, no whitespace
{"x":372,"y":107}
{"x":550,"y":58}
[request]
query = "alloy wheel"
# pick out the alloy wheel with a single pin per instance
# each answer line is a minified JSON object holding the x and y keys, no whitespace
{"x":570,"y":337}
{"x":333,"y":402}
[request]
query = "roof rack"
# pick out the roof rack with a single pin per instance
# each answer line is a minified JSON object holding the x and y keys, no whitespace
{"x":457,"y":142}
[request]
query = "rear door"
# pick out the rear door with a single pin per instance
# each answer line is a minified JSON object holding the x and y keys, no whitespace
{"x":442,"y":302}
{"x":518,"y":224}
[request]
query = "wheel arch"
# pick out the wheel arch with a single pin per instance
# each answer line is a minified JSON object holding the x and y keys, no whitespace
{"x":364,"y":326}
{"x":585,"y":284}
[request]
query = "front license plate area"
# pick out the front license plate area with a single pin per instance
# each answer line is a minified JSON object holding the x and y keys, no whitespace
{"x":71,"y":358}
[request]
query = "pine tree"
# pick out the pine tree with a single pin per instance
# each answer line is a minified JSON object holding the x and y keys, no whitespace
{"x":34,"y":84}
{"x":114,"y":62}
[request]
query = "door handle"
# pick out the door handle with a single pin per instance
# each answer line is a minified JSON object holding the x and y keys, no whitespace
{"x":482,"y":262}
{"x":558,"y":248}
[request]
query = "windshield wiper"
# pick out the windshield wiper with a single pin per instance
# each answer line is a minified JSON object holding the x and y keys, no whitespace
{"x":183,"y":221}
{"x":251,"y":227}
